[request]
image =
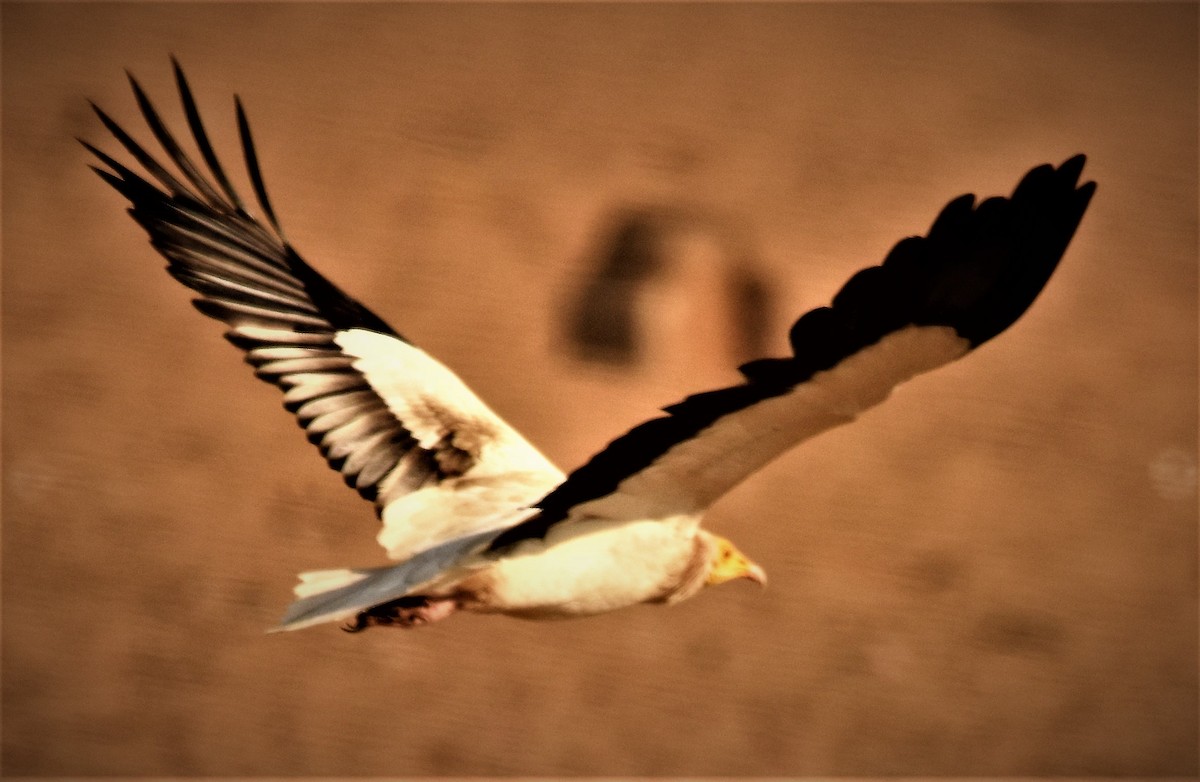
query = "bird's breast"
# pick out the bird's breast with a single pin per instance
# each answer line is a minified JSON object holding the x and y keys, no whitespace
{"x":590,"y":567}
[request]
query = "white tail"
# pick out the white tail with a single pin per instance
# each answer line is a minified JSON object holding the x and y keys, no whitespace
{"x":314,"y":582}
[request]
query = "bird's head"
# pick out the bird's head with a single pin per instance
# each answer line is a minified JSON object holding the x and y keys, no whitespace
{"x":728,"y":564}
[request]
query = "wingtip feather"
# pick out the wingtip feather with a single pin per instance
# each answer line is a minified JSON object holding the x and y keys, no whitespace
{"x":256,"y":177}
{"x":1072,"y":167}
{"x":196,"y":125}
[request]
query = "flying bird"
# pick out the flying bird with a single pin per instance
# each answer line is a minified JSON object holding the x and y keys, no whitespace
{"x":477,"y":519}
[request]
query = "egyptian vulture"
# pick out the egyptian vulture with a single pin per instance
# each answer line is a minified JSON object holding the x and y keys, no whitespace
{"x":474,"y":516}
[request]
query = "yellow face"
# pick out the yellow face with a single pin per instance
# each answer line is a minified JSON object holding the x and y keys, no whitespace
{"x":728,"y":564}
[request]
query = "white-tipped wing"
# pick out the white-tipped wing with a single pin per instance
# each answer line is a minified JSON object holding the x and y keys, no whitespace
{"x":931,"y":301}
{"x":398,"y":426}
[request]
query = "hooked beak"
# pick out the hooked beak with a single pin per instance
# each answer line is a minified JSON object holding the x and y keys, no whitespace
{"x":756,"y":574}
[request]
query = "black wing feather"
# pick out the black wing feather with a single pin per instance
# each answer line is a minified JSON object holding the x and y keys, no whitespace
{"x":198,"y":133}
{"x":168,"y":143}
{"x":256,"y":178}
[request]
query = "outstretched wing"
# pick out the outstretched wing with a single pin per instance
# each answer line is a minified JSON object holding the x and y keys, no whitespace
{"x":933,"y":299}
{"x":400,"y":427}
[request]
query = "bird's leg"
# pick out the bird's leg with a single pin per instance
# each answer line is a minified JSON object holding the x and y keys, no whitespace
{"x":406,"y":612}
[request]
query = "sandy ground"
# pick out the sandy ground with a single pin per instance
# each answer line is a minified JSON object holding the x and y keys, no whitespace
{"x":995,"y":573}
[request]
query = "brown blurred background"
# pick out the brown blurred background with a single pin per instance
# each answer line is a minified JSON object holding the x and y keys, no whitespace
{"x":995,"y":573}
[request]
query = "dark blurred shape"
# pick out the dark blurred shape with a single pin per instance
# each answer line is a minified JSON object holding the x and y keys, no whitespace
{"x":601,"y":321}
{"x":641,"y":245}
{"x":752,"y":309}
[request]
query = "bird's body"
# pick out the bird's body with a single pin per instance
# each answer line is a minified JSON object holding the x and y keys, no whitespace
{"x":478,"y":519}
{"x":597,"y":565}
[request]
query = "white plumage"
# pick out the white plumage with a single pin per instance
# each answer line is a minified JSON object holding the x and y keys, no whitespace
{"x":476,"y":517}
